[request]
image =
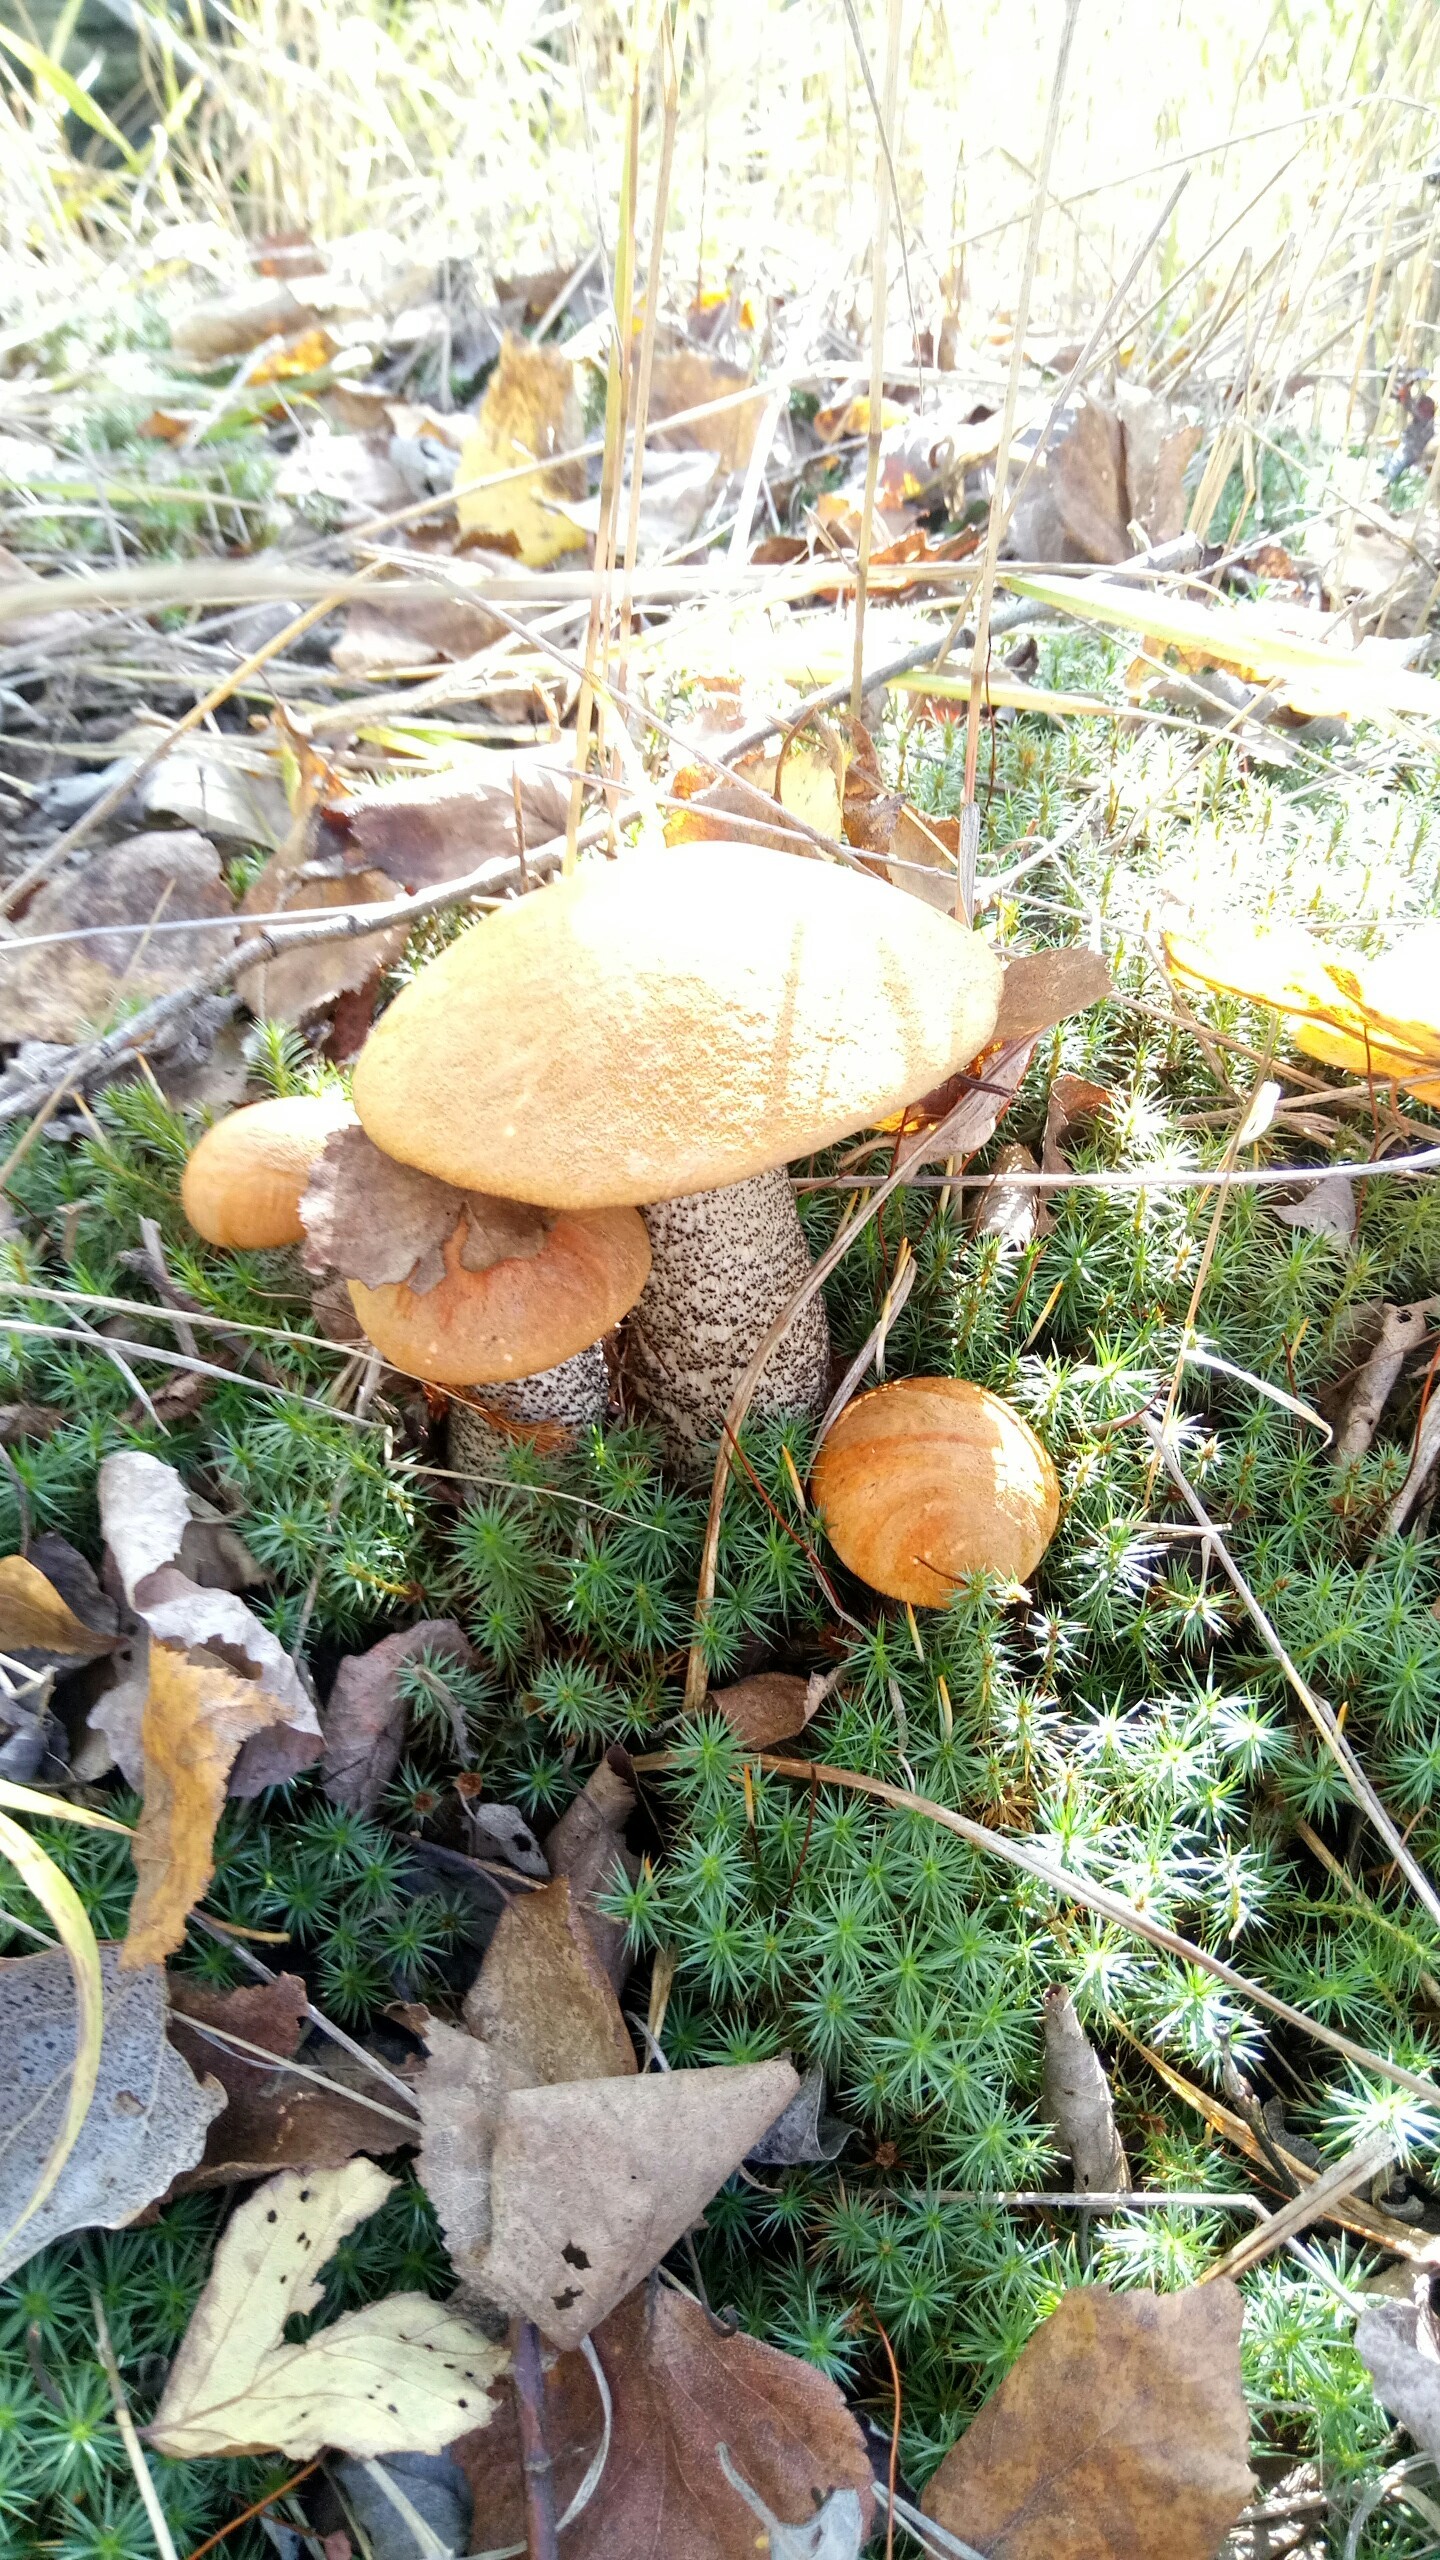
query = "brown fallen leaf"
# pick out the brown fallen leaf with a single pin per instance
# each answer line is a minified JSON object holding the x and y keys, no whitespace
{"x":147,"y":2119}
{"x":1398,"y":2346}
{"x":403,"y":2375}
{"x":301,"y":983}
{"x":1077,"y":2099}
{"x":374,"y":1219}
{"x":197,"y":1715}
{"x":442,"y":825}
{"x":1118,"y":465}
{"x":766,"y":1709}
{"x":681,"y":2389}
{"x":686,"y":378}
{"x":542,"y":2002}
{"x":56,"y":992}
{"x":415,"y":627}
{"x":236,"y":322}
{"x":1072,"y":1098}
{"x":1041,"y":988}
{"x":721,"y":809}
{"x":34,"y":1618}
{"x":461,"y":2092}
{"x":1120,"y":2432}
{"x":271,"y":2119}
{"x":588,"y":1845}
{"x":365,"y":1720}
{"x":1010,"y":1210}
{"x":591,"y":2182}
{"x":29,"y":1422}
{"x":531,"y":409}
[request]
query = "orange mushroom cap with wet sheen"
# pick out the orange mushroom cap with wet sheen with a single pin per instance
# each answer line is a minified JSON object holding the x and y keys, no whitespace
{"x":670,"y":1023}
{"x":518,"y":1316}
{"x":930,"y":1479}
{"x":243,"y":1182}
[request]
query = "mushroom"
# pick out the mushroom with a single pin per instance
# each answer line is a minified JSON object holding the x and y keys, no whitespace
{"x":929,"y":1479}
{"x":243,"y":1181}
{"x":666,"y":1032}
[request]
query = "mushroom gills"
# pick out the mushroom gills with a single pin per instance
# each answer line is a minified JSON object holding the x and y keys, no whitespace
{"x":567,"y":1398}
{"x":723,"y":1264}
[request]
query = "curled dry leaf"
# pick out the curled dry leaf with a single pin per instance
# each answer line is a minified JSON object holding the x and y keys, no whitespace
{"x":588,"y":1845}
{"x":196,"y":1717}
{"x":542,"y":2002}
{"x":55,"y":993}
{"x":1397,"y":2344}
{"x":531,"y":409}
{"x":145,"y":1512}
{"x":271,"y":2119}
{"x":147,"y":2119}
{"x":1120,"y":2431}
{"x":1009,"y":1210}
{"x":404,"y":2375}
{"x":1077,"y":2099}
{"x":766,"y":1709}
{"x":1072,"y":1099}
{"x":366,"y":1718}
{"x":681,"y":2389}
{"x":34,"y":1618}
{"x":803,"y":2131}
{"x":591,"y":2182}
{"x":1324,"y":1209}
{"x":1041,"y":988}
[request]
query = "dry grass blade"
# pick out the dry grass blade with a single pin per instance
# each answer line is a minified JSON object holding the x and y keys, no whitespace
{"x":1347,"y":2177}
{"x":58,"y":1898}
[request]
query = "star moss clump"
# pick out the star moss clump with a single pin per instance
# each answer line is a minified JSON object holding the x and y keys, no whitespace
{"x":1122,"y":1713}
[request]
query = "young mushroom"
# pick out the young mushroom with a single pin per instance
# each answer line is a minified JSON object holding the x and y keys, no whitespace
{"x":667,"y":1032}
{"x":930,"y":1479}
{"x":243,"y":1181}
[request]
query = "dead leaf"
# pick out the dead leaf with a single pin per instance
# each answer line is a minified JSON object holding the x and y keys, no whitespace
{"x":1077,"y":2099}
{"x":405,"y":627}
{"x":145,"y":1513}
{"x":1072,"y":1098}
{"x":57,"y":992}
{"x":1396,"y":2342}
{"x":365,"y":1720}
{"x":34,"y":1618}
{"x":374,"y":1219}
{"x":226,"y":786}
{"x":271,"y":2119}
{"x":196,"y":1717}
{"x":1010,"y":1210}
{"x":721,"y":809}
{"x":803,"y":2131}
{"x":766,"y":1709}
{"x":461,"y":2092}
{"x":358,"y":475}
{"x":1116,"y":466}
{"x":404,"y":2375}
{"x":531,"y":409}
{"x":588,"y":1845}
{"x":685,"y":378}
{"x":498,"y":1230}
{"x":309,"y":352}
{"x":30,"y":1422}
{"x":1119,"y":2432}
{"x":147,"y":2119}
{"x":591,"y":2182}
{"x":1325,"y":1209}
{"x":301,"y":983}
{"x":1041,"y":988}
{"x":442,"y":825}
{"x":237,"y":322}
{"x":681,"y":2389}
{"x":542,"y":2002}
{"x":1375,"y":1018}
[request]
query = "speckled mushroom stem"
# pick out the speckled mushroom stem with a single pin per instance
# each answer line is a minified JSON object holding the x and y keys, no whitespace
{"x":723,"y":1265}
{"x":574,"y":1394}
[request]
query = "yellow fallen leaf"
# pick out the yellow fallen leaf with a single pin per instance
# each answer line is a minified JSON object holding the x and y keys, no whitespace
{"x":196,"y":1717}
{"x":309,"y":353}
{"x":1372,"y":1018}
{"x":34,"y":1618}
{"x":531,"y":408}
{"x":403,"y":2376}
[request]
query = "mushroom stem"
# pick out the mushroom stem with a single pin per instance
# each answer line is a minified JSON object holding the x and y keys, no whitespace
{"x":574,"y":1393}
{"x":723,"y":1265}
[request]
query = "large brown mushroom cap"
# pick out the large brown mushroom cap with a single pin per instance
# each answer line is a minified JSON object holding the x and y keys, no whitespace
{"x":242,"y":1185}
{"x":670,"y":1023}
{"x":525,"y":1313}
{"x":930,"y":1479}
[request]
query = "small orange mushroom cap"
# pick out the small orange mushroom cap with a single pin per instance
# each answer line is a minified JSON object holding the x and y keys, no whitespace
{"x":243,"y":1182}
{"x":518,"y":1316}
{"x":930,"y":1479}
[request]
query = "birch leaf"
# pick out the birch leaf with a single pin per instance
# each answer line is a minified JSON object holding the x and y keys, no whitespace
{"x":197,"y":1716}
{"x":402,"y":2376}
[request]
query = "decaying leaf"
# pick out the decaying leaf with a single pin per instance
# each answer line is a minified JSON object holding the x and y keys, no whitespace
{"x":461,"y":2092}
{"x":1072,"y":1098}
{"x":145,"y":1513}
{"x":271,"y":2119}
{"x":1324,"y":1208}
{"x":803,"y":2131}
{"x":300,"y":983}
{"x":35,"y":1619}
{"x":406,"y":627}
{"x":1375,"y":1018}
{"x":197,"y":1715}
{"x":688,"y":378}
{"x":1011,"y":1210}
{"x":1398,"y":2346}
{"x":374,"y":1219}
{"x":1041,"y":988}
{"x":404,"y":2375}
{"x":239,"y":321}
{"x":55,"y":992}
{"x":442,"y":825}
{"x":1118,"y":465}
{"x":543,"y":2002}
{"x":766,"y":1709}
{"x":588,"y":1845}
{"x":366,"y":1717}
{"x":592,"y":2181}
{"x":531,"y":409}
{"x":147,"y":2119}
{"x":681,"y":2389}
{"x":1077,"y":2099}
{"x":1119,"y":2432}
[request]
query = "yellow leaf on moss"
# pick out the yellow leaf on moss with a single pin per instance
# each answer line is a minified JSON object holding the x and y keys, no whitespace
{"x":34,"y":1618}
{"x":197,"y":1716}
{"x":530,"y":409}
{"x":1372,"y":1018}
